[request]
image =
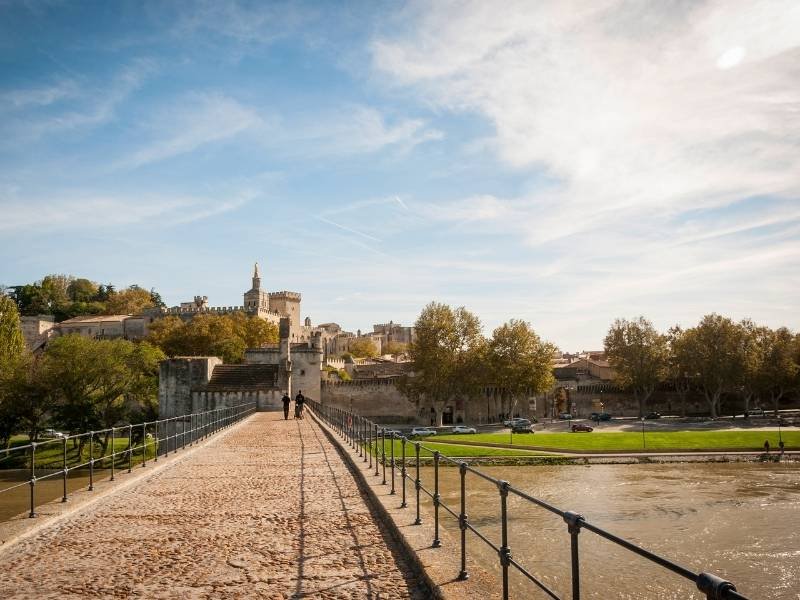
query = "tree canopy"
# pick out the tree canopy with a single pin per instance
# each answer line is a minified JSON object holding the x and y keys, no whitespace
{"x":639,"y":356}
{"x":67,"y":296}
{"x":363,"y":348}
{"x":226,"y":336}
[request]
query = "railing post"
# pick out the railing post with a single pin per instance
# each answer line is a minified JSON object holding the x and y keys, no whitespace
{"x":462,"y":522}
{"x":417,"y":484}
{"x":32,"y":481}
{"x":130,"y":448}
{"x":113,"y":452}
{"x":156,"y":442}
{"x":436,"y":541}
{"x":403,"y":469}
{"x":392,"y":464}
{"x":66,"y":471}
{"x":377,"y":441}
{"x":574,"y":521}
{"x":144,"y":444}
{"x":371,"y":443}
{"x":364,"y":429}
{"x":505,"y":551}
{"x":383,"y":453}
{"x":91,"y":461}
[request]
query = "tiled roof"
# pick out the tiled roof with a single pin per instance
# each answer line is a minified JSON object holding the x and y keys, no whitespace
{"x":95,"y":319}
{"x":242,"y":377}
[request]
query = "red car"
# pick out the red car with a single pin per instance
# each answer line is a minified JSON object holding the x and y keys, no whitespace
{"x":581,"y":427}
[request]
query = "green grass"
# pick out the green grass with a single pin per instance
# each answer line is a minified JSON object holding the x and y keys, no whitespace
{"x":50,"y":454}
{"x":616,"y":441}
{"x":456,"y":451}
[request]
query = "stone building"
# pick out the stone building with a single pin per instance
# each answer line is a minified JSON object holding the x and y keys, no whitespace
{"x":270,"y":306}
{"x":199,"y":383}
{"x":37,"y":330}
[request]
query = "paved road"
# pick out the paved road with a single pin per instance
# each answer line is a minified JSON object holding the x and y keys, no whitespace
{"x":268,"y":511}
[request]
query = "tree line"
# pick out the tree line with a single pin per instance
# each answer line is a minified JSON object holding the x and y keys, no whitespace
{"x":452,"y":358}
{"x":67,"y":296}
{"x":79,"y":384}
{"x":718,"y":358}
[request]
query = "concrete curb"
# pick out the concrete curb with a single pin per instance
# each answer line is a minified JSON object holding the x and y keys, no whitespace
{"x":436,"y":567}
{"x":50,"y":514}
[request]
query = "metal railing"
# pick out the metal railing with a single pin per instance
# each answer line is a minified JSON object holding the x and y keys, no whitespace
{"x":148,"y":439}
{"x":369,"y":440}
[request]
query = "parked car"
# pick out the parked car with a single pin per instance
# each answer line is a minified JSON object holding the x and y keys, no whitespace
{"x":581,"y":427}
{"x":422,"y":432}
{"x":520,"y":427}
{"x":397,"y":433}
{"x":463,"y":429}
{"x":564,"y":416}
{"x":755,"y":412}
{"x":52,"y":433}
{"x":653,"y":415}
{"x":510,"y":422}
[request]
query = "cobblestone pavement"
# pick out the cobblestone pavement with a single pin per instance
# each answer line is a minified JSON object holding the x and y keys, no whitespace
{"x":268,"y":511}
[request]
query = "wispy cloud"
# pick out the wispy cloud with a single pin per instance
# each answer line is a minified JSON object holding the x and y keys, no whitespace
{"x":191,"y":122}
{"x":91,"y":103}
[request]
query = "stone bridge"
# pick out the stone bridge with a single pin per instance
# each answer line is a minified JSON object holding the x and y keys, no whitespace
{"x":267,"y":509}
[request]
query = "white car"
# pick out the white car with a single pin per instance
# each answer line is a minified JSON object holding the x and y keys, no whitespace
{"x":397,"y":433}
{"x":422,"y":432}
{"x":463,"y":429}
{"x":52,"y":433}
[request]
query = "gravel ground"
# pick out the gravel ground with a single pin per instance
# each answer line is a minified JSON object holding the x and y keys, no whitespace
{"x":268,"y":511}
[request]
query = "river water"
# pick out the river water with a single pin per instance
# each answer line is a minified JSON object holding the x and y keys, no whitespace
{"x":17,"y":500}
{"x":739,"y":521}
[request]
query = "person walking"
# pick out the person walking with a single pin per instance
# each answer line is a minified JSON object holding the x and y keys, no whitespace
{"x":286,"y":401}
{"x":299,"y":401}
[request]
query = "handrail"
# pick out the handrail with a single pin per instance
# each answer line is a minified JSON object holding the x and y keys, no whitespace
{"x":367,"y":437}
{"x":194,"y":426}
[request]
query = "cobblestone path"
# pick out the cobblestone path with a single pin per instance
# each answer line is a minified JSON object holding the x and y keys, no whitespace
{"x":268,"y":511}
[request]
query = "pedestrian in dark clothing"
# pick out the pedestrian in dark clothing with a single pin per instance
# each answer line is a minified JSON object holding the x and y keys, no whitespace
{"x":299,"y":401}
{"x":766,"y":446}
{"x":286,"y":401}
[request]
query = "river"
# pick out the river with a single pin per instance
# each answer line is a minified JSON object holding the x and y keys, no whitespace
{"x":17,"y":500}
{"x":739,"y":521}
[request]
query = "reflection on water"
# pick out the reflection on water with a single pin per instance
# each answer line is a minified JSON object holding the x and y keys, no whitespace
{"x":17,"y":500}
{"x":739,"y":521}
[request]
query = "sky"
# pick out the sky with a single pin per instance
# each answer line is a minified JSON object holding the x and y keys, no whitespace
{"x":565,"y":163}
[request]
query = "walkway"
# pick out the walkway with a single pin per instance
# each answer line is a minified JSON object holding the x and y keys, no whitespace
{"x":269,"y":510}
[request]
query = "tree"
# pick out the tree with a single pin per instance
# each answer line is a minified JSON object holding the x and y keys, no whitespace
{"x":12,"y":343}
{"x":520,"y":362}
{"x":395,"y":348}
{"x":130,"y":301}
{"x":714,"y":349}
{"x":363,"y":348}
{"x":680,"y":365}
{"x":779,"y":369}
{"x":226,"y":336}
{"x":639,"y":356}
{"x":82,"y":290}
{"x":446,"y":354}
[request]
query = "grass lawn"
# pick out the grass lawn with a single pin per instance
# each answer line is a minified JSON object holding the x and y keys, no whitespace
{"x":50,"y":454}
{"x":456,"y":451}
{"x":614,"y":441}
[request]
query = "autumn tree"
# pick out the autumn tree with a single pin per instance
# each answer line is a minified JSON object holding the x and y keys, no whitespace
{"x":395,"y":348}
{"x":12,"y":343}
{"x":130,"y":301}
{"x":680,"y":365}
{"x":779,"y":370}
{"x":446,"y":354}
{"x":714,"y":347}
{"x":226,"y":336}
{"x":639,"y":356}
{"x":363,"y":348}
{"x":521,"y":362}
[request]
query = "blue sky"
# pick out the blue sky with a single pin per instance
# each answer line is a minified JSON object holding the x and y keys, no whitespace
{"x":565,"y":165}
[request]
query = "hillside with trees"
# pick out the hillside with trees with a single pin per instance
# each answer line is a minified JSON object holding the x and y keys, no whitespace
{"x":67,"y":296}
